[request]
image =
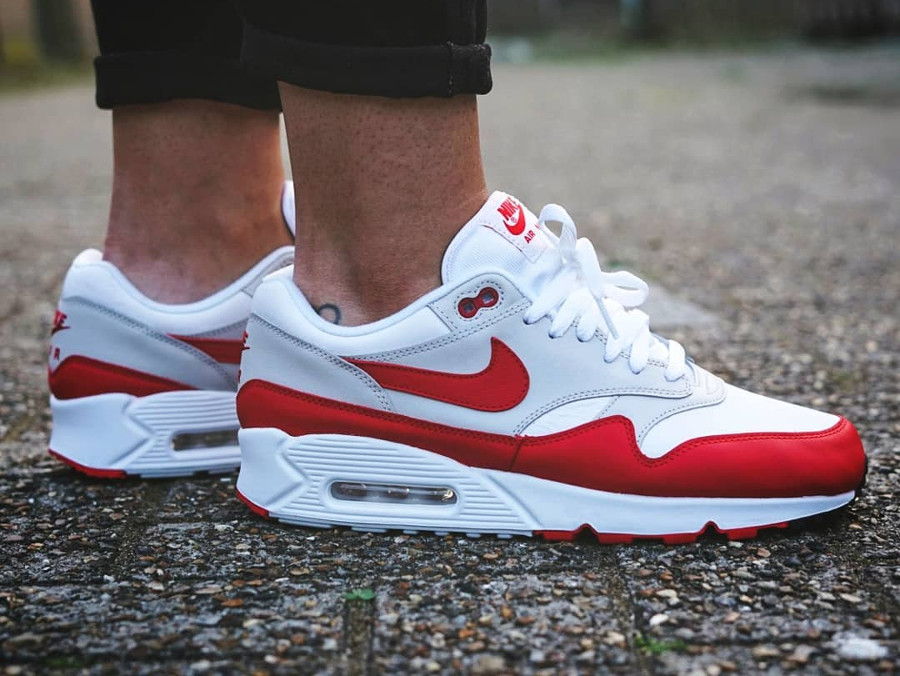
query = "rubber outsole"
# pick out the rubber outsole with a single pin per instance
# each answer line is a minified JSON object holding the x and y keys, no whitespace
{"x":90,"y":471}
{"x":709,"y":532}
{"x":118,"y":474}
{"x":293,"y":479}
{"x":168,"y":434}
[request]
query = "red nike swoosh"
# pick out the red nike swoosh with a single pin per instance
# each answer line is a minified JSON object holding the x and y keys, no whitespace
{"x":519,"y":226}
{"x":500,"y":386}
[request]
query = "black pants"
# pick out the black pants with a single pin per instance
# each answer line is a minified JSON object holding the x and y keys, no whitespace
{"x":235,"y":50}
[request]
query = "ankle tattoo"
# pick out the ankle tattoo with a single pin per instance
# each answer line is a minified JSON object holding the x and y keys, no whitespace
{"x":329,"y":312}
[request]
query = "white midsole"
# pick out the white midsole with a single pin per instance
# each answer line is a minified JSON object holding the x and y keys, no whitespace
{"x":292,"y":477}
{"x":135,"y":434}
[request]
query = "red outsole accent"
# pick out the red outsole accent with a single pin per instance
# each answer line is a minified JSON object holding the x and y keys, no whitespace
{"x":90,"y":471}
{"x":262,"y":511}
{"x":669,"y":539}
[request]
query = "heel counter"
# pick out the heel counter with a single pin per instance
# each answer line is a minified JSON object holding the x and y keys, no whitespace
{"x":98,"y":346}
{"x":83,"y":360}
{"x":64,"y":382}
{"x":273,"y":356}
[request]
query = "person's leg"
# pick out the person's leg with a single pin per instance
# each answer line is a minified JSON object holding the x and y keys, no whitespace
{"x":135,"y":379}
{"x":383,"y":185}
{"x":382,"y":126}
{"x":196,"y":195}
{"x":198,"y":173}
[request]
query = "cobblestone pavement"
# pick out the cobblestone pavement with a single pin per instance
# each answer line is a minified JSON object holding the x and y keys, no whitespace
{"x":765,"y":187}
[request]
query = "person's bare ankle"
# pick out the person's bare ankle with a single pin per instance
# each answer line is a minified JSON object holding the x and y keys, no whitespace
{"x":383,"y":185}
{"x":351,"y":286}
{"x":339,"y":299}
{"x":196,"y":198}
{"x":191,"y":268}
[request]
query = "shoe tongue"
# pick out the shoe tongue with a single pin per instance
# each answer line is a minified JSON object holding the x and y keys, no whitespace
{"x":503,"y":235}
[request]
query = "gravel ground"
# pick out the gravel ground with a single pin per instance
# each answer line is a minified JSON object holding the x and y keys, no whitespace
{"x":764,"y":187}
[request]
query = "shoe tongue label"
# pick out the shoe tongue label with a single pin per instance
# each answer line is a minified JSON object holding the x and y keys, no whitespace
{"x":519,"y":227}
{"x":476,"y":245}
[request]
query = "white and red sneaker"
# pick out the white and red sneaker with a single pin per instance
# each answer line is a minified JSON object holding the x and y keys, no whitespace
{"x":523,"y":396}
{"x":146,"y":388}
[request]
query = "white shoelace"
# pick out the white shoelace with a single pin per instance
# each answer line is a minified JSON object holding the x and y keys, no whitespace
{"x":580,"y":294}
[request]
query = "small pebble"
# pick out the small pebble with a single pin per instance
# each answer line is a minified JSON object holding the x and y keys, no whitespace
{"x":858,"y":649}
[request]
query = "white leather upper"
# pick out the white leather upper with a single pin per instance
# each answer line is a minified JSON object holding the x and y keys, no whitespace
{"x":279,"y":293}
{"x":737,"y":412}
{"x":108,"y":319}
{"x":570,"y":382}
{"x":288,"y":207}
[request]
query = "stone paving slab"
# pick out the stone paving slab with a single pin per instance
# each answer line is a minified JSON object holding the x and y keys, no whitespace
{"x":751,"y":184}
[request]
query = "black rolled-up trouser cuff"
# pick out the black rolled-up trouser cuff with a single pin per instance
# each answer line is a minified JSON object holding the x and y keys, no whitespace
{"x":442,"y":70}
{"x":152,"y":77}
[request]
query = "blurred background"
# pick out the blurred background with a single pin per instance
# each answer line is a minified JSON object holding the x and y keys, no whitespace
{"x":713,"y":119}
{"x":39,"y":38}
{"x":49,"y":39}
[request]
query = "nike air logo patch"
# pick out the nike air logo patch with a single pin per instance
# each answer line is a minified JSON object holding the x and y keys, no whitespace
{"x":513,"y":225}
{"x":500,"y":386}
{"x":59,"y":323}
{"x":513,"y":216}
